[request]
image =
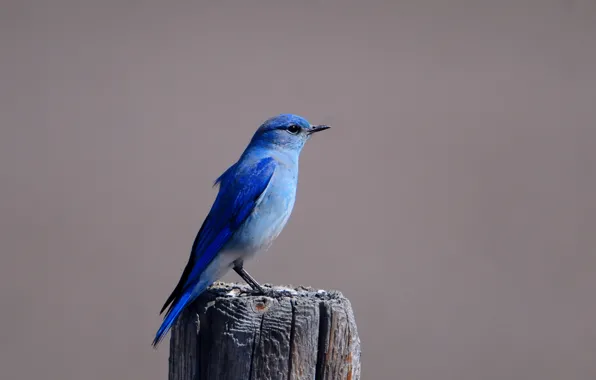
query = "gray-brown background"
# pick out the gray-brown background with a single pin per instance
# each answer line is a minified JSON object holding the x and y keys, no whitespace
{"x":453,"y":202}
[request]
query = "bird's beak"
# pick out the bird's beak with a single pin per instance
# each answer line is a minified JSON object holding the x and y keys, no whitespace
{"x":317,"y":128}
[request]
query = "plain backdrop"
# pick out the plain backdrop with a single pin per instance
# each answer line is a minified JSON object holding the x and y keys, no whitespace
{"x":453,"y":201}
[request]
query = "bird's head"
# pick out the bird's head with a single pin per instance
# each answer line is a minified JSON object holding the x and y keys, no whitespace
{"x":285,"y":132}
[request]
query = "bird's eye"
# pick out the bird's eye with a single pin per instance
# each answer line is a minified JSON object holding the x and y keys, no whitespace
{"x":294,"y":129}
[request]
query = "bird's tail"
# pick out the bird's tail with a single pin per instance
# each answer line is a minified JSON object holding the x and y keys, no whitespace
{"x":177,"y":307}
{"x":171,"y":317}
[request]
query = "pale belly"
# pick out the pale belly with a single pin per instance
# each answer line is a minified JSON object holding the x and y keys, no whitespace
{"x":266,"y":222}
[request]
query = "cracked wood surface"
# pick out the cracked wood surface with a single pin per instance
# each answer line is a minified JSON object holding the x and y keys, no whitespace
{"x":289,"y":333}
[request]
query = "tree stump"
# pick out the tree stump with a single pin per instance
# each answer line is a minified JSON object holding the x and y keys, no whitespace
{"x":229,"y":333}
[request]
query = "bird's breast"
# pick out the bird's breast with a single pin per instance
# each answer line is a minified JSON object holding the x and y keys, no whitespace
{"x":269,"y":217}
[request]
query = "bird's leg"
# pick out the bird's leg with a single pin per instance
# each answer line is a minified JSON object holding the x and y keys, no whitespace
{"x":248,"y":278}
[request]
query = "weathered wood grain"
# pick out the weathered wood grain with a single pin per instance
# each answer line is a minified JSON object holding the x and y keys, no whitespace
{"x":289,"y":334}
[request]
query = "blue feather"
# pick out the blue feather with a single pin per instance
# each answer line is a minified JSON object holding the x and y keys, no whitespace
{"x":232,"y":223}
{"x":238,"y":193}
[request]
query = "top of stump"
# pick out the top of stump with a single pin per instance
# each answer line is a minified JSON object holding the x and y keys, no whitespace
{"x":230,"y":290}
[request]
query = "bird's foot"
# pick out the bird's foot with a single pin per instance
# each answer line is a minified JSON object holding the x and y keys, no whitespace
{"x":256,"y":292}
{"x":255,"y":286}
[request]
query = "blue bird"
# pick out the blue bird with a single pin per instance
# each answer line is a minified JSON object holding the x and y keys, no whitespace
{"x":256,"y":196}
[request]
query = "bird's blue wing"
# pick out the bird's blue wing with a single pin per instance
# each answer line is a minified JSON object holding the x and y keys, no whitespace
{"x":240,"y":188}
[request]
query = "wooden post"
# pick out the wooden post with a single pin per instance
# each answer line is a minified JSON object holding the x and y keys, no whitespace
{"x":289,"y":334}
